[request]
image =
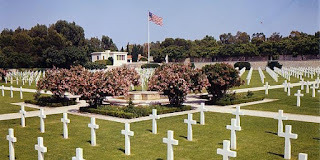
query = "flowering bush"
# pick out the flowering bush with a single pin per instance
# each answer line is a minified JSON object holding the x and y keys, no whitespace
{"x":91,"y":86}
{"x":3,"y":73}
{"x":222,"y":77}
{"x":176,"y":80}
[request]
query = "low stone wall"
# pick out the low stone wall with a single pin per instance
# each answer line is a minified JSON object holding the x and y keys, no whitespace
{"x":263,"y":64}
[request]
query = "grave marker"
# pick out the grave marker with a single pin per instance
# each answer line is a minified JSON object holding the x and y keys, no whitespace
{"x":313,"y":87}
{"x":65,"y":122}
{"x":233,"y":128}
{"x":303,"y":156}
{"x":190,"y":122}
{"x":170,"y":142}
{"x":2,"y":89}
{"x":127,"y":133}
{"x":266,"y":86}
{"x":289,"y":89}
{"x":237,"y":113}
{"x":298,"y":95}
{"x":154,"y":117}
{"x":285,"y":84}
{"x":12,"y":140}
{"x":93,"y":127}
{"x":42,"y":116}
{"x":307,"y":86}
{"x":226,"y":152}
{"x":79,"y":154}
{"x":202,"y":109}
{"x":288,"y":135}
{"x":23,"y":116}
{"x":280,"y":117}
{"x":302,"y":84}
{"x":11,"y":92}
{"x":21,"y":94}
{"x":40,"y":148}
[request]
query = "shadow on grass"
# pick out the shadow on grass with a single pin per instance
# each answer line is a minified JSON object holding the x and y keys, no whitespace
{"x":185,"y":137}
{"x":89,"y":141}
{"x":220,"y":144}
{"x":271,"y":132}
{"x":121,"y":149}
{"x":159,"y":159}
{"x":276,"y":154}
{"x":316,"y":138}
{"x":149,"y":130}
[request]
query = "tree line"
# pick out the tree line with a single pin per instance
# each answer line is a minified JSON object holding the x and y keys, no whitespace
{"x":63,"y":44}
{"x":239,"y":45}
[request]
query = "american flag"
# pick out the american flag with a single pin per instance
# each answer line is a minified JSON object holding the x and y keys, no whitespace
{"x":154,"y":18}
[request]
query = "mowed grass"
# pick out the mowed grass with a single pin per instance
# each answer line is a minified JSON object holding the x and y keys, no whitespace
{"x":14,"y":84}
{"x":256,"y":80}
{"x":5,"y":102}
{"x":257,"y":140}
{"x":309,"y":105}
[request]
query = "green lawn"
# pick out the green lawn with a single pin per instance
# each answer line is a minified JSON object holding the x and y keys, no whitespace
{"x":14,"y":84}
{"x":257,"y":140}
{"x":309,"y":105}
{"x":6,"y":107}
{"x":256,"y":81}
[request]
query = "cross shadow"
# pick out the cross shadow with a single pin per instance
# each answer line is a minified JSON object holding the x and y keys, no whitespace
{"x":271,"y":132}
{"x":149,"y":130}
{"x":159,"y":159}
{"x":185,"y":137}
{"x":316,"y":138}
{"x":198,"y":122}
{"x":89,"y":141}
{"x":121,"y":149}
{"x":220,"y":144}
{"x":276,"y":154}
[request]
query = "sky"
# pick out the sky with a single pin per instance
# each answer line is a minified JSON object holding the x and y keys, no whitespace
{"x":127,"y":20}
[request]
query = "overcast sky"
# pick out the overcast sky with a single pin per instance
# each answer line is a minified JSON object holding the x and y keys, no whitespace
{"x":126,"y":20}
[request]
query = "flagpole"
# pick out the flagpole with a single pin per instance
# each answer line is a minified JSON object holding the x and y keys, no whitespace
{"x":148,"y":40}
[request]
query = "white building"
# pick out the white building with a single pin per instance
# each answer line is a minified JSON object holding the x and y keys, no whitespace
{"x":119,"y":58}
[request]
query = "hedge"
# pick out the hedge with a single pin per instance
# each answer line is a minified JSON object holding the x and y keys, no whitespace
{"x":51,"y":102}
{"x":150,"y":65}
{"x":272,"y":64}
{"x":242,"y":64}
{"x":238,"y":101}
{"x":132,"y":112}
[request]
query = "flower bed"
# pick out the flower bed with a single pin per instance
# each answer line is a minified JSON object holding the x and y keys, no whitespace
{"x":51,"y":101}
{"x":132,"y":112}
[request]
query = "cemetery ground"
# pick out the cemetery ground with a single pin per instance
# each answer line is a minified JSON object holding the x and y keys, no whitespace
{"x":257,"y":139}
{"x":7,"y":107}
{"x":14,"y":84}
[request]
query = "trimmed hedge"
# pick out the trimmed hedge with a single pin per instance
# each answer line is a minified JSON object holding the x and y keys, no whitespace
{"x":238,"y":101}
{"x":272,"y":64}
{"x":150,"y":65}
{"x":51,"y":102}
{"x":143,"y":59}
{"x":132,"y":112}
{"x":242,"y":64}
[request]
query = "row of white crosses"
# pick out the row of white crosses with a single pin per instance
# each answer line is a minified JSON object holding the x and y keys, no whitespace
{"x":273,"y":74}
{"x":24,"y":76}
{"x":249,"y":76}
{"x":11,"y":92}
{"x":285,"y":74}
{"x":262,"y":76}
{"x":287,"y":135}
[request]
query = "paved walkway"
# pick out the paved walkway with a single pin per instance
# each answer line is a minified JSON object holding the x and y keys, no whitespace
{"x":27,"y":90}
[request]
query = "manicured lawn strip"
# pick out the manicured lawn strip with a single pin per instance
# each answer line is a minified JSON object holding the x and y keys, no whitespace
{"x":6,"y":107}
{"x":256,"y":140}
{"x":14,"y":84}
{"x":309,"y":105}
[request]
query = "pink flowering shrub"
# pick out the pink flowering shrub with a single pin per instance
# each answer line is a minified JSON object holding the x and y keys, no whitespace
{"x":91,"y":86}
{"x":3,"y":73}
{"x":176,"y":80}
{"x":221,"y":76}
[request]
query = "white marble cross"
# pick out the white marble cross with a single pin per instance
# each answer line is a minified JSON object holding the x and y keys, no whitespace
{"x":226,"y":152}
{"x":280,"y":117}
{"x":287,"y":136}
{"x":6,"y":80}
{"x":289,"y":89}
{"x":317,"y":82}
{"x":190,"y":122}
{"x":40,"y":148}
{"x":12,"y":140}
{"x":23,"y":81}
{"x":127,"y":133}
{"x":285,"y":84}
{"x":307,"y":86}
{"x":79,"y":154}
{"x":42,"y":116}
{"x":11,"y":92}
{"x":11,"y":80}
{"x":65,"y":122}
{"x":29,"y":82}
{"x":21,"y":94}
{"x":233,"y":128}
{"x":202,"y":109}
{"x":303,"y":156}
{"x":170,"y":142}
{"x":302,"y":83}
{"x":237,"y":113}
{"x":17,"y":80}
{"x":298,"y":95}
{"x":93,"y":127}
{"x":2,"y":89}
{"x":154,"y":117}
{"x":23,"y":116}
{"x":313,"y":87}
{"x":266,"y":86}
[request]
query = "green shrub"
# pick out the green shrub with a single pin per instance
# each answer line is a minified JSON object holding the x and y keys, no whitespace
{"x":222,"y":102}
{"x":132,"y":112}
{"x":50,"y":101}
{"x":110,"y":61}
{"x":272,"y":64}
{"x":242,"y":64}
{"x":150,"y":65}
{"x":143,"y":59}
{"x":94,"y":65}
